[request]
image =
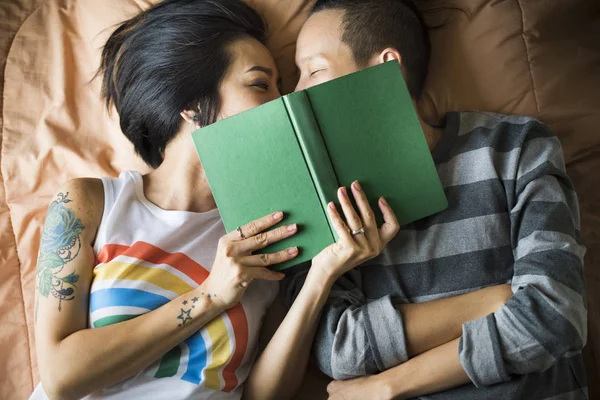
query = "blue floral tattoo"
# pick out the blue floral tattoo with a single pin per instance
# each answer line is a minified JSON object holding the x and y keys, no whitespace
{"x":60,"y":244}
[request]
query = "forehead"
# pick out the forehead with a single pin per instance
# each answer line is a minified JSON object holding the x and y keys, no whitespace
{"x":246,"y":51}
{"x":320,"y":34}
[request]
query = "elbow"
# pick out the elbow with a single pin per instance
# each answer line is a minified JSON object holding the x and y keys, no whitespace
{"x":62,"y":376}
{"x":57,"y":383}
{"x":55,"y":390}
{"x":571,"y":331}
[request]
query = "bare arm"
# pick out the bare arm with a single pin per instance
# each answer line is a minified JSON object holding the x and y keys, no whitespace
{"x":289,"y":349}
{"x":349,"y":321}
{"x":429,"y":325}
{"x":279,"y":371}
{"x":64,"y":275}
{"x":68,"y":352}
{"x":155,"y":333}
{"x":431,"y":372}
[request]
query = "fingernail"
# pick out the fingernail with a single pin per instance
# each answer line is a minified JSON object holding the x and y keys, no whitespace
{"x":292,"y":250}
{"x":331,"y":205}
{"x":277,"y":215}
{"x":343,"y":191}
{"x":291,"y":228}
{"x":356,"y":185}
{"x":383,"y":201}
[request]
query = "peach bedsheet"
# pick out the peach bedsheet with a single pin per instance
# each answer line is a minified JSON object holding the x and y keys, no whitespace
{"x":533,"y":57}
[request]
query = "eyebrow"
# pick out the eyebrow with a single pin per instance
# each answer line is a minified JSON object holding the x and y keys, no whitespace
{"x":307,"y":58}
{"x":266,"y":70}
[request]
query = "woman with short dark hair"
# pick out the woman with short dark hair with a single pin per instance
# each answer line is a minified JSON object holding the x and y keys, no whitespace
{"x":141,"y":292}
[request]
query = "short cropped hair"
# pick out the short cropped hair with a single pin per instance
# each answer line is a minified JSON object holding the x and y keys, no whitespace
{"x":370,"y":26}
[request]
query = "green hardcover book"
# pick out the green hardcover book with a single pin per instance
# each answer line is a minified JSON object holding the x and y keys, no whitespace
{"x":292,"y":154}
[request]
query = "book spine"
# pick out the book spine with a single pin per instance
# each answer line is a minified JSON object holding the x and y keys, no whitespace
{"x":314,"y":150}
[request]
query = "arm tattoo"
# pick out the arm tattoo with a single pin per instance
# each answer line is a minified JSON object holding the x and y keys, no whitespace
{"x":184,"y":316}
{"x":60,"y":244}
{"x":186,"y":309}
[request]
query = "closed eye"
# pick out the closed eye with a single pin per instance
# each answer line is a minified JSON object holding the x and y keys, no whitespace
{"x":262,"y":85}
{"x":314,"y":72}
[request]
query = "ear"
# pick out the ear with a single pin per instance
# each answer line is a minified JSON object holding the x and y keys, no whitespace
{"x":190,"y":116}
{"x":389,"y":54}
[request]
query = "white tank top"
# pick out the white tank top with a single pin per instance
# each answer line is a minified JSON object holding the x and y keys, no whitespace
{"x":146,"y":256}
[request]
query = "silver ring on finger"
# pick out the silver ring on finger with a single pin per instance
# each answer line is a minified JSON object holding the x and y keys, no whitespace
{"x":359,"y":231}
{"x":239,"y":229}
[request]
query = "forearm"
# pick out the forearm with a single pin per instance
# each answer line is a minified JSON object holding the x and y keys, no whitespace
{"x":429,"y":325}
{"x":123,"y":348}
{"x":278,"y":372}
{"x":431,"y":372}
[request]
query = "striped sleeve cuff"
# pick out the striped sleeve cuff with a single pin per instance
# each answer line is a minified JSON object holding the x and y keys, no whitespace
{"x":480,"y":353}
{"x":384,"y":328}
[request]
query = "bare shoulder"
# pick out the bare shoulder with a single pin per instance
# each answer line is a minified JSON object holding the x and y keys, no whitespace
{"x":78,"y":204}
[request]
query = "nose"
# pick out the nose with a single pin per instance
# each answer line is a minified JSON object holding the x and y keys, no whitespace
{"x":275,"y":94}
{"x":300,"y":85}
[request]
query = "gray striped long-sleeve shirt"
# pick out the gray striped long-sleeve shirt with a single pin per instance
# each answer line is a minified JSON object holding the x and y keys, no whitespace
{"x":512,"y":218}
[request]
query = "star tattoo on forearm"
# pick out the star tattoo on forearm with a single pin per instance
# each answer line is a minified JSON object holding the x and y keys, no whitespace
{"x":185,"y":311}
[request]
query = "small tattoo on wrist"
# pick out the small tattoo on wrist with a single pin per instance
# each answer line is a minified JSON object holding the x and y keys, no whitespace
{"x":184,"y":316}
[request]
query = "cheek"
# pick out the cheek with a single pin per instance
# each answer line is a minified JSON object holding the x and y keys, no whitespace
{"x":235,"y":104}
{"x":342,"y":70}
{"x":326,"y":76}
